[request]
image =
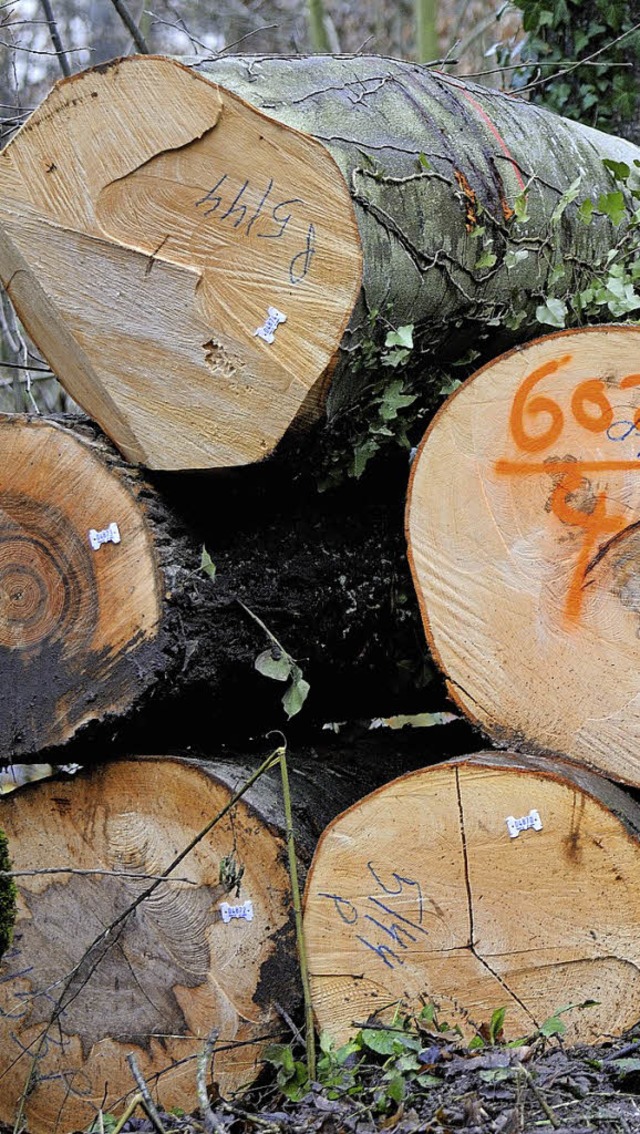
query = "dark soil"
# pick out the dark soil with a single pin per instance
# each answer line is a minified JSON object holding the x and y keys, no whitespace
{"x":496,"y":1090}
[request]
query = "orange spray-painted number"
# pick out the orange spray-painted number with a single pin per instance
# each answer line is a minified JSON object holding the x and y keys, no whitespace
{"x":595,"y":524}
{"x":535,"y":442}
{"x":593,"y":412}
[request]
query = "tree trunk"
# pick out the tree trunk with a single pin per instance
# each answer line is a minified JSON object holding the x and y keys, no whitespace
{"x":491,"y":881}
{"x":525,"y":562}
{"x":191,"y":957}
{"x":190,"y":276}
{"x":89,"y":635}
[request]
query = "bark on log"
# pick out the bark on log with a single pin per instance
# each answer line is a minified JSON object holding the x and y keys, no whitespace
{"x":525,"y":561}
{"x":87,"y":635}
{"x":420,"y":893}
{"x":143,"y":248}
{"x":174,"y":968}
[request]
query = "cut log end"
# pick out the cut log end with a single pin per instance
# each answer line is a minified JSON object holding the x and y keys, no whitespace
{"x":195,"y":271}
{"x":211,"y":948}
{"x":80,"y":595}
{"x":522,"y":524}
{"x":487,"y":882}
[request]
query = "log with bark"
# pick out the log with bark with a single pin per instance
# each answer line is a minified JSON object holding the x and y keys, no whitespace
{"x":196,"y":251}
{"x":90,"y":634}
{"x":491,"y":881}
{"x":525,"y":560}
{"x":87,"y":982}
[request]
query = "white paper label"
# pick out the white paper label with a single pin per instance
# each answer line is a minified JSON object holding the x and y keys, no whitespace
{"x":530,"y":822}
{"x":107,"y":535}
{"x":271,"y":324}
{"x":245,"y":910}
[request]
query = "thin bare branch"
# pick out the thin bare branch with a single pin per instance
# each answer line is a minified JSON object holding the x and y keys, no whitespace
{"x":76,"y":870}
{"x":205,"y":1059}
{"x":147,"y":1101}
{"x":131,"y":26}
{"x":36,"y":51}
{"x":579,"y":62}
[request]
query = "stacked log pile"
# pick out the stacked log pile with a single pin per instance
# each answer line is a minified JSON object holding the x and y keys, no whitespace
{"x":208,"y":260}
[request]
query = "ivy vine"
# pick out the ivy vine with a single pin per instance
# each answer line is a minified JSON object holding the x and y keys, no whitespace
{"x":581,"y":58}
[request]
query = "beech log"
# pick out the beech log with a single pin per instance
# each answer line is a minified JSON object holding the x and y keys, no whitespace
{"x":196,"y":252}
{"x":491,"y":881}
{"x":525,"y":560}
{"x":94,"y":635}
{"x":80,"y":998}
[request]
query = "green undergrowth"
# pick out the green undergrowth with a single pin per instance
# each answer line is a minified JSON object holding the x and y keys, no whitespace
{"x":385,"y":1065}
{"x":401,"y":386}
{"x":580,"y":59}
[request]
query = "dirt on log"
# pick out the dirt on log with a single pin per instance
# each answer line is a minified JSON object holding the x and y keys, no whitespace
{"x":194,"y":278}
{"x":92,"y":635}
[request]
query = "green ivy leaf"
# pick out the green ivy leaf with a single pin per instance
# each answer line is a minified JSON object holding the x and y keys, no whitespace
{"x":619,"y":169}
{"x":557,"y":273}
{"x":379,"y":1040}
{"x":486,"y":260}
{"x":396,"y":1089}
{"x":553,"y":1026}
{"x":402,"y":337}
{"x":207,"y":565}
{"x":513,"y":257}
{"x":394,"y":400}
{"x":295,"y":697}
{"x":395,"y":357}
{"x":585,"y":211}
{"x":275,"y":664}
{"x":515,"y":319}
{"x":362,"y":455}
{"x":520,"y":207}
{"x":552,"y":313}
{"x":612,"y":204}
{"x":567,"y":197}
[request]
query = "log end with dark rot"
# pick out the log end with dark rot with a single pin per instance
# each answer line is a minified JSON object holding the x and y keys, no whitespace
{"x":522,"y":525}
{"x":491,"y":881}
{"x":210,"y":948}
{"x":188,"y":273}
{"x":80,"y":591}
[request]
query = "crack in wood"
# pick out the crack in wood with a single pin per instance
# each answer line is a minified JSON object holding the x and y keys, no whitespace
{"x":467,"y":881}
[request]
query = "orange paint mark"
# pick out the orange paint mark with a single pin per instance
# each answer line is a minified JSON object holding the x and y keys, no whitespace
{"x":595,"y":524}
{"x":507,"y":212}
{"x":593,"y":412}
{"x":539,"y":404}
{"x":496,"y":133}
{"x":592,"y":392}
{"x":470,"y":201}
{"x":528,"y":468}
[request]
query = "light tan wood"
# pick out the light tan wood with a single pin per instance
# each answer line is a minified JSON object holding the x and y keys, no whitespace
{"x":522,"y":525}
{"x":77,"y":623}
{"x":148,"y":221}
{"x":418,"y":893}
{"x":165,"y":977}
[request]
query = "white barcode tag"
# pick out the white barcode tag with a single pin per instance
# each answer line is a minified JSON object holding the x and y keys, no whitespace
{"x":530,"y":822}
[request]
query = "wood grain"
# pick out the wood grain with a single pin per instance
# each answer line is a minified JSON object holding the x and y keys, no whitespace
{"x":144,"y":250}
{"x":419,"y":894}
{"x":172,"y":971}
{"x":522,"y":525}
{"x":76,"y":623}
